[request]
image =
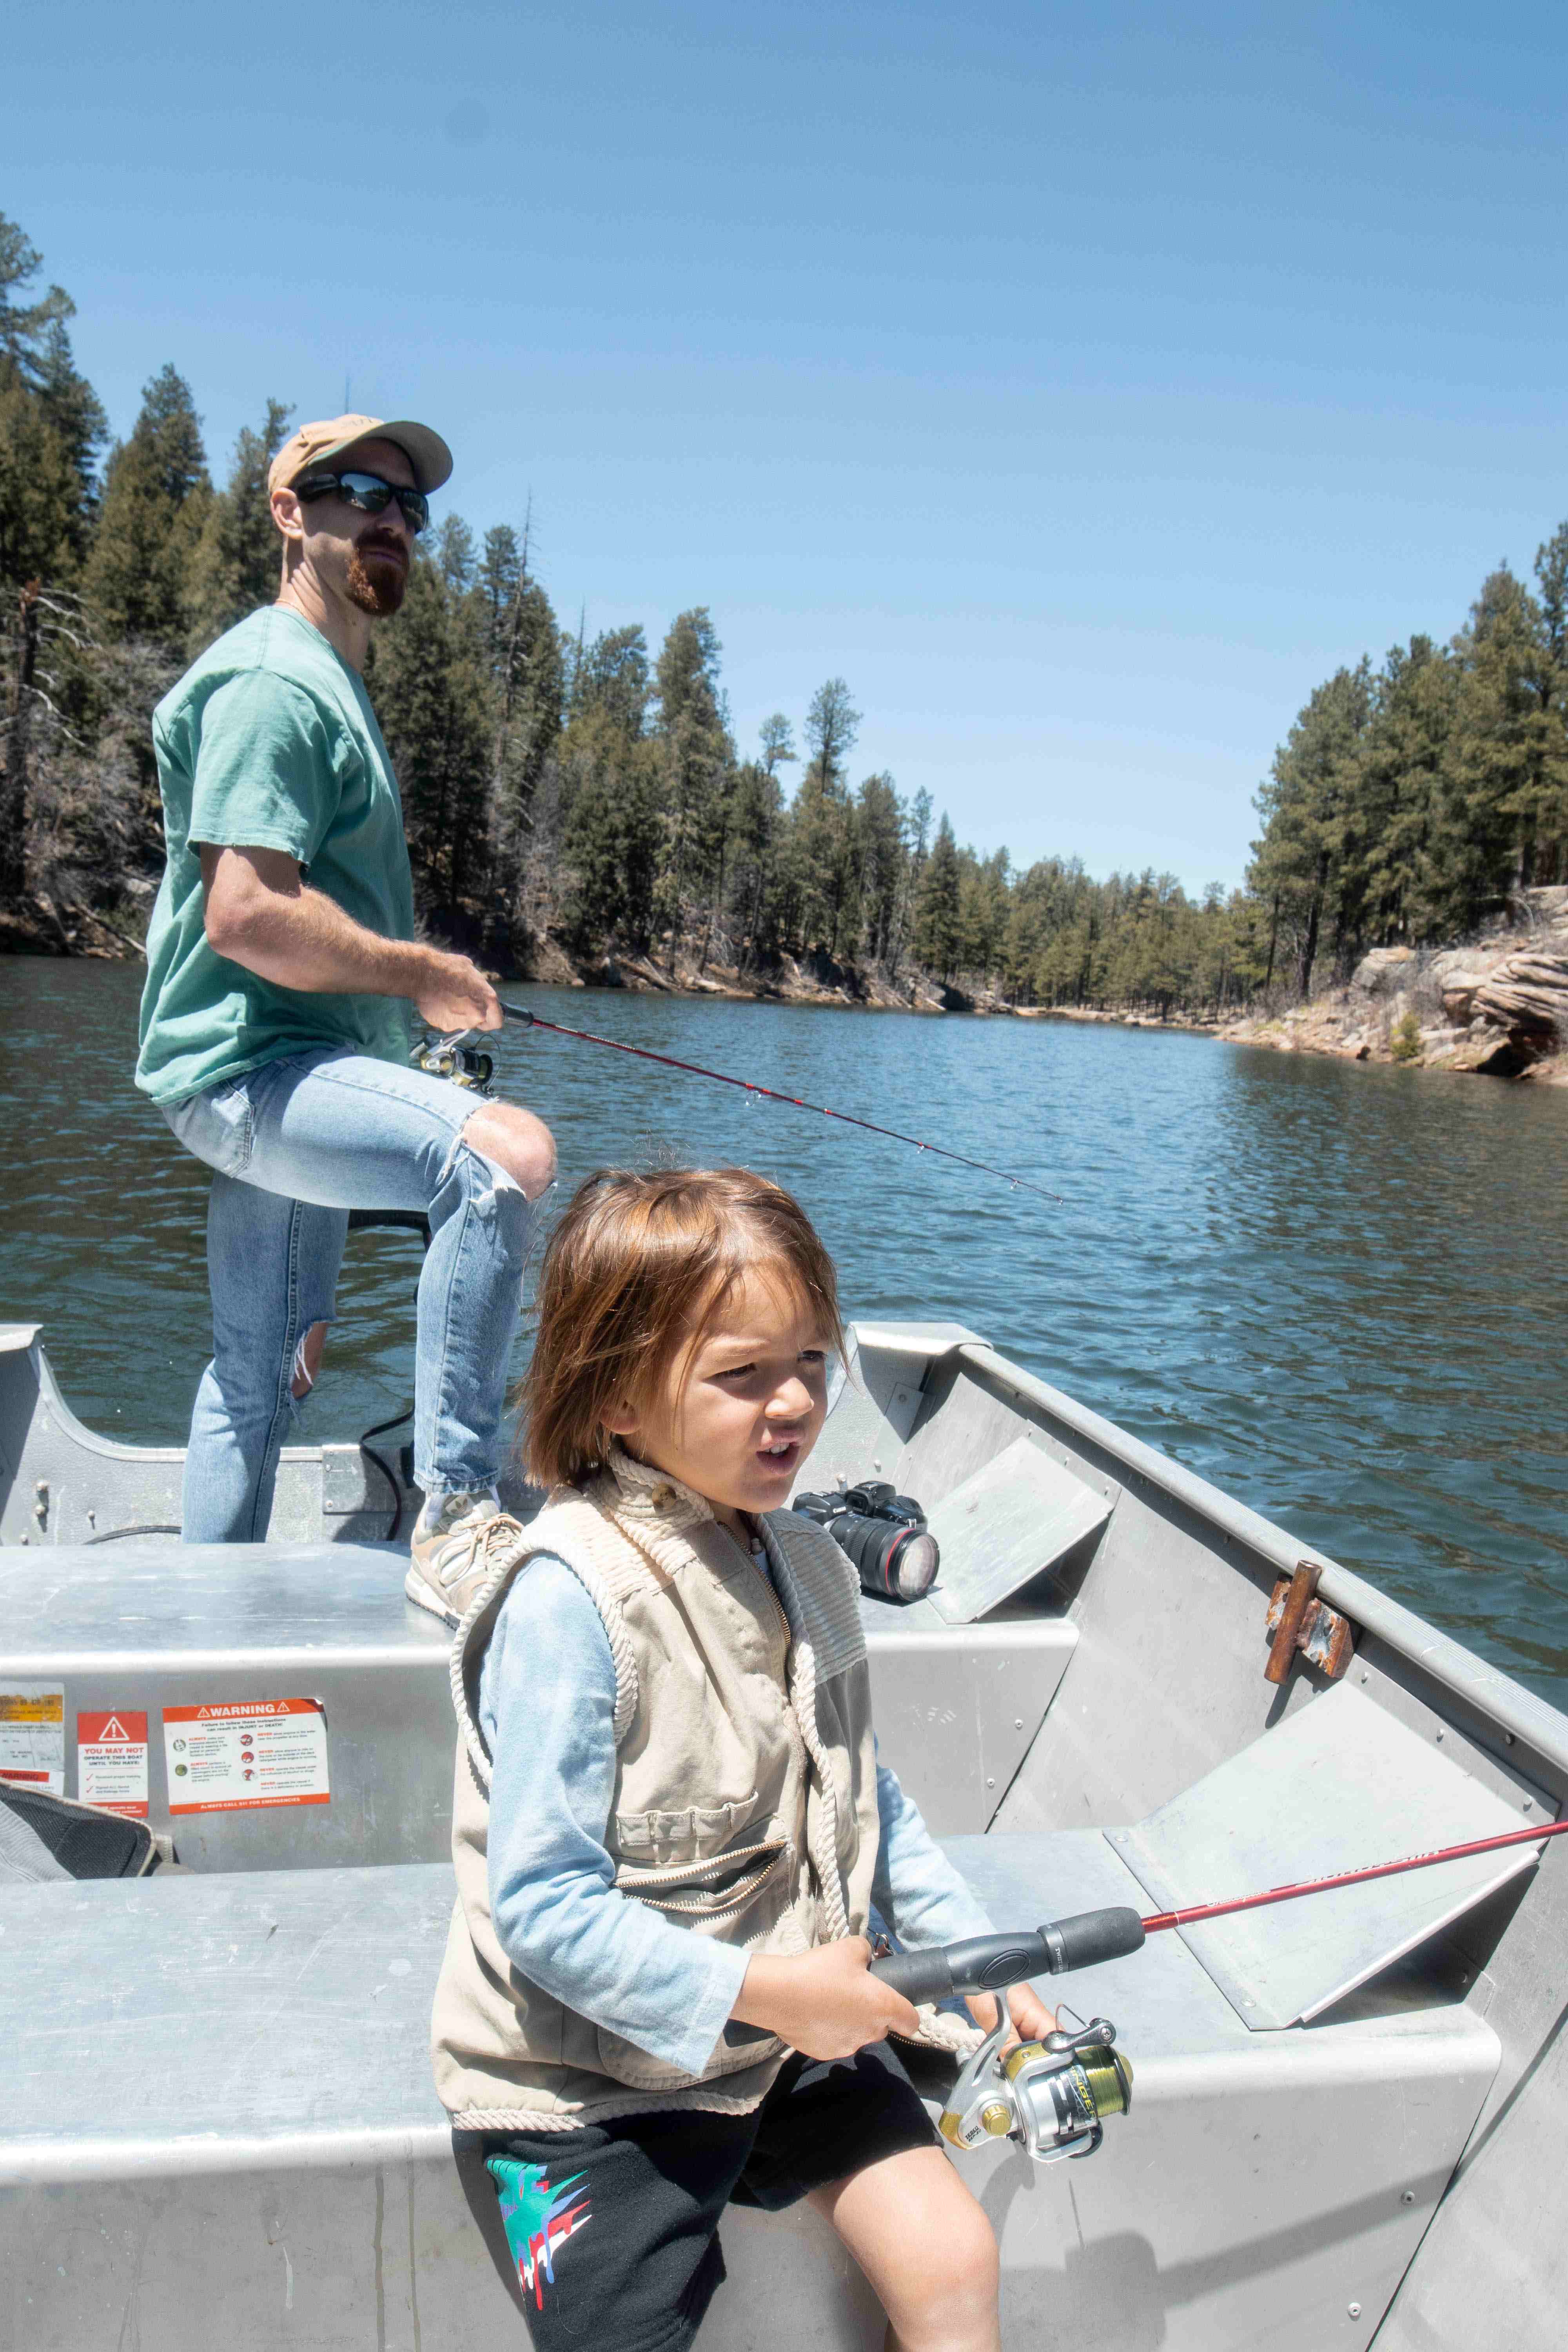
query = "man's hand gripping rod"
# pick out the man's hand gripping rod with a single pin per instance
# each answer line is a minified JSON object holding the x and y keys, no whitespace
{"x":1050,"y":2096}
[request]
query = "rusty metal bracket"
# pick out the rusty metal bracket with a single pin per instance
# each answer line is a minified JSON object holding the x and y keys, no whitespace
{"x":1299,"y":1621}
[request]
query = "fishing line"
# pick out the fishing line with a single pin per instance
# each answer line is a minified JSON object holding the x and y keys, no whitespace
{"x":1196,"y":1911}
{"x":751,"y":1087}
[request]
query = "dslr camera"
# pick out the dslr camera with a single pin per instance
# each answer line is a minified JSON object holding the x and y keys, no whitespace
{"x":884,"y":1534}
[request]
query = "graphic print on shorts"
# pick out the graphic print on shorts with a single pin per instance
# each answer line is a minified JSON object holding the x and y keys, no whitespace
{"x":537,"y":2217}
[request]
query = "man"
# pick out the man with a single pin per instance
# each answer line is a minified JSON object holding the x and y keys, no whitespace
{"x":281,"y":967}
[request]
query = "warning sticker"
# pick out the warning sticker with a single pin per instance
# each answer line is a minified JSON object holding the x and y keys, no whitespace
{"x":112,"y":1760}
{"x":33,"y":1736}
{"x":258,"y":1751}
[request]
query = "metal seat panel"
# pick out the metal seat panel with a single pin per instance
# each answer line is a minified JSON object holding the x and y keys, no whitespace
{"x":184,"y":1626}
{"x":216,"y":2015}
{"x":1339,"y":1786}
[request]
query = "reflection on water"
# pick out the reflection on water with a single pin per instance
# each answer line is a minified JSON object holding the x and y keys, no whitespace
{"x":1337,"y":1291}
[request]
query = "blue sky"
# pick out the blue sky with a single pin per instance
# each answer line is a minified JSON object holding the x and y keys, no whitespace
{"x":1083,"y":383}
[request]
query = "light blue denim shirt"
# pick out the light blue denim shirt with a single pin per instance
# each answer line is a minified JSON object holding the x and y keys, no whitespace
{"x":547,"y":1705}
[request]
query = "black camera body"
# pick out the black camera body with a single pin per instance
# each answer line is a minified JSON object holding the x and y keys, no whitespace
{"x":884,"y":1534}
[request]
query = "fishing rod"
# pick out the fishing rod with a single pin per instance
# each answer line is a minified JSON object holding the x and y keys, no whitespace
{"x":1157,"y":1920}
{"x":1052,"y":2095}
{"x":749,"y":1086}
{"x":984,"y":1963}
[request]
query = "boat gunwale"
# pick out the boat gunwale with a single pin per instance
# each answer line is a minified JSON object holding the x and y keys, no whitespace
{"x":1483,"y":1688}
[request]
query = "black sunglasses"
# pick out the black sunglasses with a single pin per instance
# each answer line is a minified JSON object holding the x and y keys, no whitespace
{"x":370,"y":494}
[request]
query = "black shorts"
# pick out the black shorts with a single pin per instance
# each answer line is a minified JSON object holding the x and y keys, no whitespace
{"x":615,"y":2229}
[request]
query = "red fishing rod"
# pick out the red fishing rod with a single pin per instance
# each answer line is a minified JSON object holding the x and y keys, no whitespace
{"x":1156,"y":1920}
{"x":986,"y":1963}
{"x":751,"y":1087}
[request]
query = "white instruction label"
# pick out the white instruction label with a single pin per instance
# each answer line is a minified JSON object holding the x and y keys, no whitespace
{"x":245,"y":1752}
{"x":111,"y":1759}
{"x":33,"y":1736}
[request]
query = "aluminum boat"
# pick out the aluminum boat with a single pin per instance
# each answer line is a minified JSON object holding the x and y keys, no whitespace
{"x":1347,"y":2124}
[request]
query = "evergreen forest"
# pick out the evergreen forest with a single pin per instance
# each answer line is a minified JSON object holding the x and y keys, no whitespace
{"x":591,"y":792}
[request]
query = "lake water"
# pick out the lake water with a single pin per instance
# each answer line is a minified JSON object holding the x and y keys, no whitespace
{"x":1340,"y":1292}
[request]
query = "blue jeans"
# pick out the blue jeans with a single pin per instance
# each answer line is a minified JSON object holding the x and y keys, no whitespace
{"x":293,"y":1146}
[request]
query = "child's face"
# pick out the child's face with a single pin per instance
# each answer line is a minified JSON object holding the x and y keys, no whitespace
{"x":744,"y":1409}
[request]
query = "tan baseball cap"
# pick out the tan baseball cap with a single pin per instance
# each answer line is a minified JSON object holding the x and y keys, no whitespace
{"x":314,"y":445}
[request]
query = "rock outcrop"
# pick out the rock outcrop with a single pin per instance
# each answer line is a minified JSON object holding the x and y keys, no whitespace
{"x":1499,"y":1006}
{"x":1526,"y":994}
{"x":1383,"y":971}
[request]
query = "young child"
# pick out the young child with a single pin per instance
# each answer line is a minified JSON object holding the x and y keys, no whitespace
{"x":670,"y":1823}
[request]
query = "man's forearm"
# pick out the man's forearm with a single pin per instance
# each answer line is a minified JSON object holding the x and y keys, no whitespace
{"x":259,"y":913}
{"x":305,"y":941}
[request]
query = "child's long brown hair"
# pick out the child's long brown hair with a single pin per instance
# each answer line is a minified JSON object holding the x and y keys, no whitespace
{"x":635,"y":1270}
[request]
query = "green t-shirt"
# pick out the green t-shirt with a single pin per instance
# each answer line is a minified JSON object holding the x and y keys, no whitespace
{"x":269,"y":741}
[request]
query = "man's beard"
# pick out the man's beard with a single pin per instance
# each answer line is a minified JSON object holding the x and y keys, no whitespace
{"x":380,"y":591}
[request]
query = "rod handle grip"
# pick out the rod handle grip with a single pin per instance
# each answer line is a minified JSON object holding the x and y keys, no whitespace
{"x":977,"y":1964}
{"x":1091,"y":1936}
{"x":991,"y":1963}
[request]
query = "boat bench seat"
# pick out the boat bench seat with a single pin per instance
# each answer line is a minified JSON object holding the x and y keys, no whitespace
{"x":152,"y":1625}
{"x":215,"y":2098}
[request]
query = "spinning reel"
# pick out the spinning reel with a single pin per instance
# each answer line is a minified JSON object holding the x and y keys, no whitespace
{"x":451,"y":1058}
{"x":1050,"y":2096}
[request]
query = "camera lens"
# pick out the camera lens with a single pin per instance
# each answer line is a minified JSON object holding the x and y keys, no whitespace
{"x":900,"y":1563}
{"x":913,"y":1564}
{"x":894,"y":1556}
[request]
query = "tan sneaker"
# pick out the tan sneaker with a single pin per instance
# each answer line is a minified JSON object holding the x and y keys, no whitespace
{"x":456,"y":1553}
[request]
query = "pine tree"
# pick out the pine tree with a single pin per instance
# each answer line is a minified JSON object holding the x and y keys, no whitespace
{"x":75,"y":413}
{"x":826,"y":844}
{"x":40,"y":496}
{"x":25,"y":326}
{"x":52,"y":427}
{"x":758,"y":809}
{"x":455,"y":556}
{"x":613,"y":835}
{"x":1546,"y":814}
{"x":938,"y":931}
{"x":155,"y":501}
{"x":50,"y":423}
{"x":916,"y":849}
{"x":430,"y":694}
{"x":777,"y":742}
{"x":1400,"y":768}
{"x":237,"y":562}
{"x":696,"y":768}
{"x":879,"y":826}
{"x":1299,"y":863}
{"x":1504,"y":768}
{"x":983,"y":911}
{"x":611,"y":676}
{"x":526,"y":670}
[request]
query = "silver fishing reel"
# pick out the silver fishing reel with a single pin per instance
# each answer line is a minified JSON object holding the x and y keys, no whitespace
{"x":1049,"y":2097}
{"x":451,"y":1058}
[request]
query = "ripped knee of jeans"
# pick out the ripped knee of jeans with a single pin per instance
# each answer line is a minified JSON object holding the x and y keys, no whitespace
{"x":307,"y":1360}
{"x":487,"y":1179}
{"x":520,"y":1163}
{"x":518,"y":1150}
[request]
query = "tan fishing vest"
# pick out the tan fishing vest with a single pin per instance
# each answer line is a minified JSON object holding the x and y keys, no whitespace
{"x":745,"y":1795}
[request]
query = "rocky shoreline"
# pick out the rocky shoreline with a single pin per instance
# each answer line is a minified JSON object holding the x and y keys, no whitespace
{"x":41,"y":926}
{"x":817,"y":979}
{"x":1497,"y":1006}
